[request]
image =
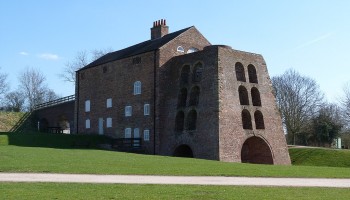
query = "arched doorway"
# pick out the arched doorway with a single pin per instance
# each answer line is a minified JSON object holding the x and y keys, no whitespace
{"x":64,"y":124}
{"x":183,"y":151}
{"x":256,"y":150}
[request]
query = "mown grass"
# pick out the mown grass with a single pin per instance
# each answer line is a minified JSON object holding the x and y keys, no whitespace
{"x":124,"y":191}
{"x":320,"y":157}
{"x":22,"y":153}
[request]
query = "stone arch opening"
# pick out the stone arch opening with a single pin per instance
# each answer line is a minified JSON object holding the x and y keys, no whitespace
{"x":43,"y":125}
{"x":256,"y":150}
{"x":185,"y":73}
{"x":194,"y":96}
{"x":64,"y":124}
{"x":183,"y":151}
{"x":191,"y":120}
{"x":259,"y":120}
{"x":252,"y":74}
{"x":256,"y":97}
{"x":179,"y":121}
{"x":182,"y":98}
{"x":246,"y":120}
{"x":240,"y":75}
{"x":197,"y":72}
{"x":243,"y":95}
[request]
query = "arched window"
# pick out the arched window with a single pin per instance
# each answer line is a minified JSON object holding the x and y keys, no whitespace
{"x":240,"y":74}
{"x":197,"y":72}
{"x":259,"y":120}
{"x":252,"y":74}
{"x":180,"y":49}
{"x":194,"y":96}
{"x":191,"y":120}
{"x":182,"y":97}
{"x":179,"y":121}
{"x":192,"y":50}
{"x":243,"y":95}
{"x":256,"y":97}
{"x":185,"y":73}
{"x":137,"y":87}
{"x":246,"y":120}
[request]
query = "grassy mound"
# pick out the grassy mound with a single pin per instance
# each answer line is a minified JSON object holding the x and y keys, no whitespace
{"x":8,"y":120}
{"x":320,"y":157}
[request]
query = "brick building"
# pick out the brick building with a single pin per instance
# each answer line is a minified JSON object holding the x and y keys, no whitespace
{"x":185,"y":97}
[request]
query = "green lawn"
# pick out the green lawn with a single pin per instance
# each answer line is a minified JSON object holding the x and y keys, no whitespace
{"x":124,"y":191}
{"x":22,"y":153}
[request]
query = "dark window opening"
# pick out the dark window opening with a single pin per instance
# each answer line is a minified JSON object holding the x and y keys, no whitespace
{"x":182,"y":98}
{"x":256,"y":97}
{"x":179,"y":121}
{"x":194,"y":96}
{"x":246,"y":120}
{"x":183,"y":151}
{"x":243,"y":95}
{"x":197,"y":72}
{"x":240,"y":75}
{"x":259,"y":120}
{"x":104,"y":69}
{"x":252,"y":74}
{"x":185,"y":73}
{"x":191,"y":120}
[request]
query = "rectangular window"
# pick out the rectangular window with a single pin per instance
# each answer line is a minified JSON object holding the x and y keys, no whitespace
{"x":128,"y":111}
{"x":87,"y":106}
{"x":146,"y":109}
{"x":146,"y":135}
{"x":109,"y":103}
{"x":127,"y":133}
{"x":87,"y":123}
{"x":109,"y":122}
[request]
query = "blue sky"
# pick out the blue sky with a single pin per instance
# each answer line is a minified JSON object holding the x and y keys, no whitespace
{"x":312,"y":37}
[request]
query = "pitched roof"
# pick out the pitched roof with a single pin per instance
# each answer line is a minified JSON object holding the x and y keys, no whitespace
{"x":146,"y":46}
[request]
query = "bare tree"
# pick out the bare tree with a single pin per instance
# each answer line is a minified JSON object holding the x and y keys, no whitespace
{"x":345,"y":103}
{"x":3,"y":84}
{"x":33,"y":87}
{"x":14,"y":101}
{"x":50,"y":95}
{"x":298,"y":99}
{"x":81,"y":60}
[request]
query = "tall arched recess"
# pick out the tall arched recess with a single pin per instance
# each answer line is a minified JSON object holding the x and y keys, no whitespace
{"x":256,"y":150}
{"x":185,"y":74}
{"x":183,"y":151}
{"x":253,"y":78}
{"x":240,"y":75}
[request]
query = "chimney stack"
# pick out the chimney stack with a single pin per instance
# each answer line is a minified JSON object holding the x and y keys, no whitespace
{"x":159,"y":29}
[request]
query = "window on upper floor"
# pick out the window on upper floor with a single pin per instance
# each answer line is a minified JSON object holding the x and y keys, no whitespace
{"x":197,"y":72}
{"x":192,"y":50}
{"x":127,"y":133}
{"x":87,"y":123}
{"x":194,"y":96}
{"x":179,"y":121}
{"x":146,"y":109}
{"x":259,"y":120}
{"x":87,"y":106}
{"x":146,"y":135}
{"x":109,"y":122}
{"x":185,"y":74}
{"x":137,"y":87}
{"x":191,"y":120}
{"x":246,"y":120}
{"x":128,"y":111}
{"x":109,"y":103}
{"x":240,"y":74}
{"x":182,"y":98}
{"x":243,"y":95}
{"x":180,"y":49}
{"x":253,"y":78}
{"x":256,"y":97}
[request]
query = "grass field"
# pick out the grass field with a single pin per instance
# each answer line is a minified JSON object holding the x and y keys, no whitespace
{"x":18,"y":154}
{"x":9,"y":119}
{"x":124,"y":191}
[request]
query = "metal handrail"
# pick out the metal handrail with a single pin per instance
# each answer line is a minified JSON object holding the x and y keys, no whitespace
{"x":55,"y":102}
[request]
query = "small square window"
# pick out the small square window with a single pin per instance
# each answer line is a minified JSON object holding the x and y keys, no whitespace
{"x":128,"y":111}
{"x":87,"y":106}
{"x":109,"y":103}
{"x":146,"y":135}
{"x":146,"y":109}
{"x":87,"y":123}
{"x":109,"y":122}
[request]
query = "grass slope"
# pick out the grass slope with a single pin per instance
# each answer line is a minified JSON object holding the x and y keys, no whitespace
{"x":118,"y":191}
{"x":320,"y":157}
{"x":8,"y":120}
{"x":20,"y":153}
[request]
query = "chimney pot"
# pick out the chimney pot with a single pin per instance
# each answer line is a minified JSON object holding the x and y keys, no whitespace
{"x":159,"y":29}
{"x":161,"y":22}
{"x":164,"y":22}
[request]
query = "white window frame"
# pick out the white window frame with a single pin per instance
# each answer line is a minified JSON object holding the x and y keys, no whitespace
{"x":109,"y":103}
{"x":109,"y":122}
{"x":180,"y":49}
{"x":87,"y":105}
{"x":87,"y":124}
{"x":146,"y":135}
{"x":128,"y":111}
{"x":146,"y":109}
{"x":127,"y":133}
{"x":137,"y":87}
{"x":192,"y":50}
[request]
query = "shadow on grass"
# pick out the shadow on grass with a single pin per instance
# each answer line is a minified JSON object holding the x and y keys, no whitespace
{"x":49,"y":140}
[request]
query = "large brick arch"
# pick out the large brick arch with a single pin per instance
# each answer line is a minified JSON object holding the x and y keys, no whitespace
{"x":256,"y":150}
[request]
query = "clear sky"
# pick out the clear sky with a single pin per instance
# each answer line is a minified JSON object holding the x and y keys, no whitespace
{"x":310,"y":36}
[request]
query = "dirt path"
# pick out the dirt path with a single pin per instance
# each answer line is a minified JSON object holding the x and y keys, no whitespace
{"x":183,"y":180}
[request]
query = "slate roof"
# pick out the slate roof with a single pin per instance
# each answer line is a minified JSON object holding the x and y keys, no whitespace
{"x":143,"y":47}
